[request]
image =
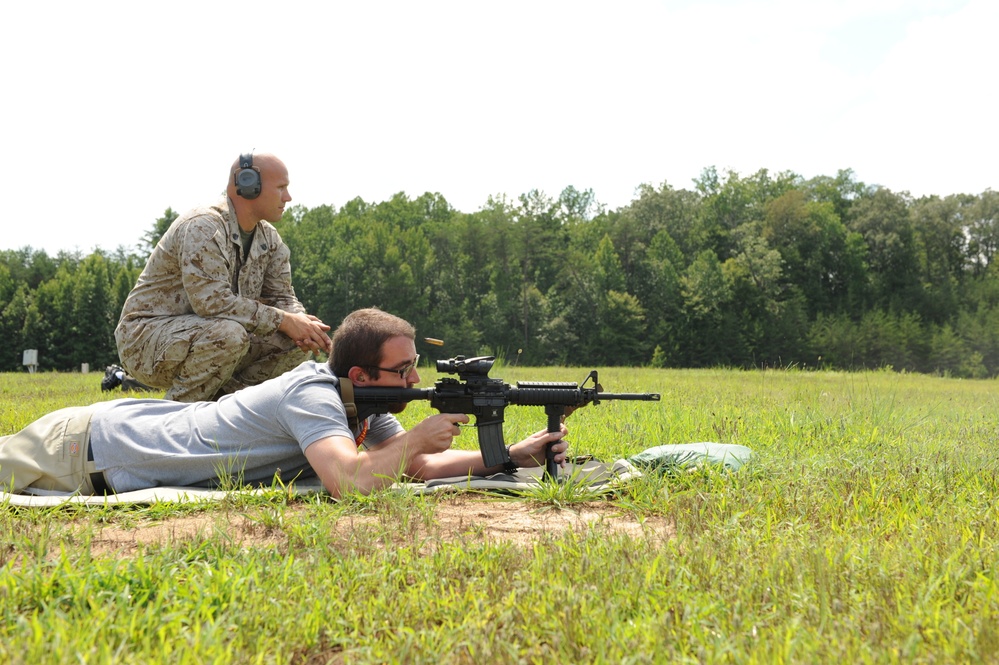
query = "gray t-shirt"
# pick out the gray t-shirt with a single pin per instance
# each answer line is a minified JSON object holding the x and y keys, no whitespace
{"x":248,"y":435}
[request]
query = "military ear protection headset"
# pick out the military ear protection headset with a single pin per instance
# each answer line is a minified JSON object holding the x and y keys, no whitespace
{"x":247,"y":178}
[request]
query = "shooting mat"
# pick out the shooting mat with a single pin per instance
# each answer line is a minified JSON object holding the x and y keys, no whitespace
{"x":594,"y":475}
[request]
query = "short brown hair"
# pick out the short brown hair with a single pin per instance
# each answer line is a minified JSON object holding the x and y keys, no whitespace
{"x":359,"y":338}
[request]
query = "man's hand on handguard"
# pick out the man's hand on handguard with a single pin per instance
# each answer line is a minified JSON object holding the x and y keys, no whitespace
{"x":308,"y":332}
{"x":531,"y":451}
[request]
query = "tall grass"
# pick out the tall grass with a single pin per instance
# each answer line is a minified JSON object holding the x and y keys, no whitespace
{"x":865,"y":530}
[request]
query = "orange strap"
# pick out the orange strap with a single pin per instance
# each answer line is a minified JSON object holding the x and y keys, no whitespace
{"x":363,"y":435}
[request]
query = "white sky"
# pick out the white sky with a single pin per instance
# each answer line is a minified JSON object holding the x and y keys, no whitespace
{"x":114,"y":111}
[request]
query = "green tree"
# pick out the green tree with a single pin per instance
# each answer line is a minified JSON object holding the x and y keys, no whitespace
{"x":508,"y":317}
{"x":124,"y":279}
{"x":160,"y":226}
{"x":840,"y":191}
{"x":607,"y":267}
{"x":28,"y":266}
{"x":979,"y":330}
{"x":982,"y":229}
{"x":621,"y":330}
{"x":941,"y":243}
{"x":821,"y":261}
{"x":93,"y":315}
{"x":7,"y":286}
{"x":575,"y":205}
{"x":676,"y":212}
{"x":658,"y":288}
{"x":883,"y":220}
{"x":321,"y":267}
{"x":705,"y":293}
{"x":730,"y":204}
{"x":49,"y":321}
{"x":12,"y":320}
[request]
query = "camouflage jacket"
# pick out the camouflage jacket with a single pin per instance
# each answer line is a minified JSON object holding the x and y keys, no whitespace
{"x":197,"y":268}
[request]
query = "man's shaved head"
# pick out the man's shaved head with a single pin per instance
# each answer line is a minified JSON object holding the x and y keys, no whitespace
{"x":273,"y":198}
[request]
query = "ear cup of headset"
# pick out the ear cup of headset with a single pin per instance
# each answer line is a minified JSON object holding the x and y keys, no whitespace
{"x":247,"y":178}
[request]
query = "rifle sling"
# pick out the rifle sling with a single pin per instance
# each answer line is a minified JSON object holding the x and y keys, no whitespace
{"x":347,"y":395}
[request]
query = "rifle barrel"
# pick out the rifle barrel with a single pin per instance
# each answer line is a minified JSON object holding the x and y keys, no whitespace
{"x":644,"y":397}
{"x":541,"y":395}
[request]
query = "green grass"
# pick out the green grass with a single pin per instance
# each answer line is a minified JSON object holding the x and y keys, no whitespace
{"x":864,"y":531}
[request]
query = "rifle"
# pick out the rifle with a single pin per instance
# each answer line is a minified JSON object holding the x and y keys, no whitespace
{"x":475,"y":393}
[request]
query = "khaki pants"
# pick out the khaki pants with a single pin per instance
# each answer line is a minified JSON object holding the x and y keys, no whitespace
{"x":50,"y":453}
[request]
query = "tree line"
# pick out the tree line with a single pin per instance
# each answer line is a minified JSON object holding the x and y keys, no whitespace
{"x":768,"y":269}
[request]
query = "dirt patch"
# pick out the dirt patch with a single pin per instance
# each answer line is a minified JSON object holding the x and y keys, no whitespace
{"x":461,"y":517}
{"x":237,"y":529}
{"x":522,"y":522}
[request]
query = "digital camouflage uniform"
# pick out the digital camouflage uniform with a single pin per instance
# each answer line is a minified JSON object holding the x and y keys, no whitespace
{"x":201,"y":321}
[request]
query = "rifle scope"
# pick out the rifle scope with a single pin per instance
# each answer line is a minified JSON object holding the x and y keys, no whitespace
{"x":478,"y":366}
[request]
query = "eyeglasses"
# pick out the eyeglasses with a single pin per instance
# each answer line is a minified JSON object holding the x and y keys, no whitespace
{"x":404,"y":372}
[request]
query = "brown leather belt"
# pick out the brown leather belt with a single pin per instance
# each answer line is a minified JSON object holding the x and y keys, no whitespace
{"x":97,"y":477}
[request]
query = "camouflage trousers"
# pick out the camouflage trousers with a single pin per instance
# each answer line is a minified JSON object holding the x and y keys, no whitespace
{"x":199,"y":359}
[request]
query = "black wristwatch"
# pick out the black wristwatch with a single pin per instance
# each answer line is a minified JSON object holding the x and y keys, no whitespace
{"x":508,"y":465}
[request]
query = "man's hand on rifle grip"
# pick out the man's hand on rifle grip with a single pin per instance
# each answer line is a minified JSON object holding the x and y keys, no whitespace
{"x":531,"y":451}
{"x":435,"y":433}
